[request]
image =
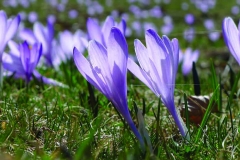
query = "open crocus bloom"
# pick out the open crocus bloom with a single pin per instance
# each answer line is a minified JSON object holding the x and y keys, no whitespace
{"x":101,"y":34}
{"x":43,"y":35}
{"x":159,"y":64}
{"x":22,"y":61}
{"x":231,"y":36}
{"x":106,"y":70}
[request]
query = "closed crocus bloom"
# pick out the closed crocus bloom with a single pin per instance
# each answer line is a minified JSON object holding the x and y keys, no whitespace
{"x":232,"y":37}
{"x":8,"y":28}
{"x":106,"y":70}
{"x":158,"y":68}
{"x":101,"y":34}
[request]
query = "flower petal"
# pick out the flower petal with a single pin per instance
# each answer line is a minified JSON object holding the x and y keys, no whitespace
{"x":106,"y":28}
{"x":12,"y":63}
{"x":28,"y":35}
{"x":94,"y":30}
{"x":3,"y":21}
{"x":117,"y":58}
{"x":12,"y":28}
{"x":140,"y":74}
{"x":25,"y":56}
{"x":49,"y":81}
{"x":122,"y":26}
{"x":231,"y":36}
{"x":156,"y":48}
{"x":14,"y":48}
{"x":98,"y":58}
{"x":142,"y":55}
{"x":87,"y":71}
{"x":39,"y":32}
{"x":117,"y":50}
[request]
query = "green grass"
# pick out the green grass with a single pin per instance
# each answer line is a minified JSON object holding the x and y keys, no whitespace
{"x":47,"y":122}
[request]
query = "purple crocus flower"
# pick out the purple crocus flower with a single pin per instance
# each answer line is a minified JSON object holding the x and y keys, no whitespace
{"x":158,"y":69}
{"x":69,"y":40}
{"x":43,"y":35}
{"x":187,"y":58}
{"x":22,"y":61}
{"x":101,"y":34}
{"x":189,"y":18}
{"x":189,"y":34}
{"x":8,"y":28}
{"x":231,"y":37}
{"x":107,"y":71}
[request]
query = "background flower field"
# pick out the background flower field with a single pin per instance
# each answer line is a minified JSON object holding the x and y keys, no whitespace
{"x":57,"y":114}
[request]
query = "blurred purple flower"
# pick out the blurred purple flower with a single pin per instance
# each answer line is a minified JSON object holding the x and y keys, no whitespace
{"x":168,"y":25}
{"x":187,"y":58}
{"x":137,"y":27}
{"x":8,"y":28}
{"x":68,"y":41}
{"x":107,"y":71}
{"x":189,"y":34}
{"x":100,"y":34}
{"x":32,"y":17}
{"x":43,"y":35}
{"x":209,"y":24}
{"x":189,"y":19}
{"x":22,"y":60}
{"x":72,"y":14}
{"x":149,"y":25}
{"x":235,"y":10}
{"x":231,"y":37}
{"x":159,"y":64}
{"x":214,"y":35}
{"x":204,"y":5}
{"x":156,"y":12}
{"x":29,"y":59}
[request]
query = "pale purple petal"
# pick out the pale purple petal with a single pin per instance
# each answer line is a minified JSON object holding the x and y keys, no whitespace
{"x":39,"y":32}
{"x":94,"y":30}
{"x":14,"y":48}
{"x":156,"y":48}
{"x":12,"y":63}
{"x":66,"y":41}
{"x":106,"y":28}
{"x":122,"y":26}
{"x":99,"y":61}
{"x":175,"y":46}
{"x":140,"y":74}
{"x":87,"y":71}
{"x":12,"y":28}
{"x":28,"y":35}
{"x":142,"y":55}
{"x":49,"y":81}
{"x":3,"y":28}
{"x":231,"y":36}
